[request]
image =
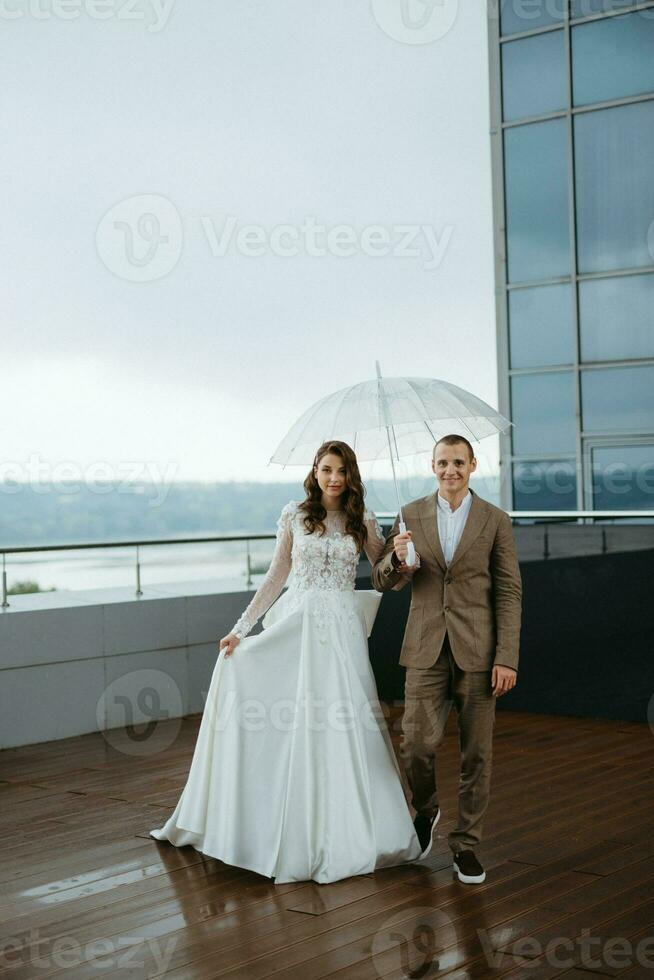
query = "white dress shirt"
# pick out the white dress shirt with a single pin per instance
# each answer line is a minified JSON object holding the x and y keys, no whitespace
{"x":451,"y":524}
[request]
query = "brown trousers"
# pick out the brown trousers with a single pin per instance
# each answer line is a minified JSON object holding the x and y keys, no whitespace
{"x":429,"y":695}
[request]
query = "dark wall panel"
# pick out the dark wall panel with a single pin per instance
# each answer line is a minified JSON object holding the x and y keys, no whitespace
{"x":587,"y":644}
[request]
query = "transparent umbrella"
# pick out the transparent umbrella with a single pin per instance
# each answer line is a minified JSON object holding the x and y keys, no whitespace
{"x":394,"y":416}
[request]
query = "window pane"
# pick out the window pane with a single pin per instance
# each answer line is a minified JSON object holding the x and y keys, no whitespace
{"x":545,"y":485}
{"x":534,"y":76}
{"x":617,"y":318}
{"x":618,"y":399}
{"x":524,"y":15}
{"x":623,"y":478}
{"x":614,"y":151}
{"x":583,"y":8}
{"x":536,"y":181}
{"x":540,"y":326}
{"x":543,"y":413}
{"x":623,"y":47}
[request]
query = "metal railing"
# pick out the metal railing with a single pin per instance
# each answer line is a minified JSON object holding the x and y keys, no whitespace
{"x":579,"y":516}
{"x":246,"y":537}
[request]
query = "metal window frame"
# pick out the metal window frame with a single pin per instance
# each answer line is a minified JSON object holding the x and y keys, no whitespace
{"x":503,"y":287}
{"x":573,"y":21}
{"x":592,"y":442}
{"x":633,"y":362}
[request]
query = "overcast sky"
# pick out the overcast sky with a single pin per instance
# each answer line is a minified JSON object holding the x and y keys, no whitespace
{"x":145,"y":328}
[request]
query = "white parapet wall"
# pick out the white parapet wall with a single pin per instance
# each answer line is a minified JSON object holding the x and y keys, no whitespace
{"x":103,"y":659}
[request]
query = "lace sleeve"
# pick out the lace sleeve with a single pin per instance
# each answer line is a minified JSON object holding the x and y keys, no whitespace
{"x":376,"y":542}
{"x":276,"y":576}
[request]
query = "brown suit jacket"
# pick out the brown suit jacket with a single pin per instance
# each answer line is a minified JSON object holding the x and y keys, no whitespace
{"x":477,"y":599}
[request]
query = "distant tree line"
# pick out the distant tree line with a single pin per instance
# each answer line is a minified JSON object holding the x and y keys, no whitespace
{"x":70,"y":514}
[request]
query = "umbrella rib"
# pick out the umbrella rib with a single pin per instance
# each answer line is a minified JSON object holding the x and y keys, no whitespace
{"x":310,"y":419}
{"x":416,"y":395}
{"x":473,"y":435}
{"x":346,"y":392}
{"x":455,"y":402}
{"x":466,"y":426}
{"x":316,"y":408}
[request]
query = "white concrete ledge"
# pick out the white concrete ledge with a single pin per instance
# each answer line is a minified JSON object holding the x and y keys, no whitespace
{"x":77,"y":662}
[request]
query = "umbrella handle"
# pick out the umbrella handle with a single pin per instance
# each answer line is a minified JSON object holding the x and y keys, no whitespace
{"x":411,"y":551}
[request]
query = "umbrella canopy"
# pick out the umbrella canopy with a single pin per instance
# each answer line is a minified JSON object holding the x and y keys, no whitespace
{"x":418,"y":412}
{"x":389,"y":416}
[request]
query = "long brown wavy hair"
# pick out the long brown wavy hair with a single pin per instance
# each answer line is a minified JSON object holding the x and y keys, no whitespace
{"x":352,"y":499}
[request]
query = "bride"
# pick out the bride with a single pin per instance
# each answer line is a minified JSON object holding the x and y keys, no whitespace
{"x":294,"y":774}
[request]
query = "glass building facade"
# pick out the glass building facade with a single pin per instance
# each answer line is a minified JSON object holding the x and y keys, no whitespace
{"x":572,"y":131}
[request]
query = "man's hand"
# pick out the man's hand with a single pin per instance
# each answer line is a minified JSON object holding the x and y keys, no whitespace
{"x":503,"y":679}
{"x":400,"y":545}
{"x":409,"y":570}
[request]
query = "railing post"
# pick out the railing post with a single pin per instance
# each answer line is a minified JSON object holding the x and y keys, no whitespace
{"x":5,"y":601}
{"x":546,"y":543}
{"x":248,"y":564}
{"x":138,"y":573}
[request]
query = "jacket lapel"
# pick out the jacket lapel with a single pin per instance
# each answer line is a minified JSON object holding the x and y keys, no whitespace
{"x":429,"y":522}
{"x":476,"y":521}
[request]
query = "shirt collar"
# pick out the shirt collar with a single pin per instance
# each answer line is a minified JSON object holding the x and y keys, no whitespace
{"x":445,"y":507}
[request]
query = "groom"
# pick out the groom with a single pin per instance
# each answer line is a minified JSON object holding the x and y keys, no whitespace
{"x":461,"y":642}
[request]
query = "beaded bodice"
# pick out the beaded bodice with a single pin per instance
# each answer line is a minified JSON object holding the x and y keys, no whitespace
{"x":313,"y":561}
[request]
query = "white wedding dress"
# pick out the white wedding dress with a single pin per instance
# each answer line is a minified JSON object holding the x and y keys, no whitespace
{"x":294,"y":774}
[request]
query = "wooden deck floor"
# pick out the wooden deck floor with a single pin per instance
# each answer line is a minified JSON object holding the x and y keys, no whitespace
{"x":569,"y":852}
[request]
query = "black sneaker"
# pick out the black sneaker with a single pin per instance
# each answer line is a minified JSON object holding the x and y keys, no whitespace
{"x":468,"y":869}
{"x":424,"y":826}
